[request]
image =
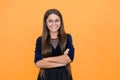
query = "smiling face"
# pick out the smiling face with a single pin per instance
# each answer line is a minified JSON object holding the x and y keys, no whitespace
{"x":53,"y":22}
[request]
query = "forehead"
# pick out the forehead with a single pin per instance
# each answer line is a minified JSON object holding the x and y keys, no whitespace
{"x":53,"y":16}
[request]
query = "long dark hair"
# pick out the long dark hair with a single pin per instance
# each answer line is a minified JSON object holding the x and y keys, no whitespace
{"x":62,"y":36}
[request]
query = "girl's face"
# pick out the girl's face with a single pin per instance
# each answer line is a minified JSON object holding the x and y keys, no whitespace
{"x":53,"y":22}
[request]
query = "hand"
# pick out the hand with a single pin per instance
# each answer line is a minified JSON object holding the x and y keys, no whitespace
{"x":66,"y":51}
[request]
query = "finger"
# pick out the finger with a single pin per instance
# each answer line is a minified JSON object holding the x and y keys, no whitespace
{"x":66,"y":51}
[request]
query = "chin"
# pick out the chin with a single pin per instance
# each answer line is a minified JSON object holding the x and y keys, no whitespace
{"x":54,"y":30}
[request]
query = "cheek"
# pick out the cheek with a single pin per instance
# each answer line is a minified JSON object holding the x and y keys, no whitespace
{"x":48,"y":25}
{"x":59,"y":24}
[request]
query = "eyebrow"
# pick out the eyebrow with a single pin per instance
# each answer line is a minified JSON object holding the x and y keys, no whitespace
{"x":54,"y":19}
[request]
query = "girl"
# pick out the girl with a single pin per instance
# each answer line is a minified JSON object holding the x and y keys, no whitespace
{"x":54,"y":49}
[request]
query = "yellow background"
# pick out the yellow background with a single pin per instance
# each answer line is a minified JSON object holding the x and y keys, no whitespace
{"x":93,"y":24}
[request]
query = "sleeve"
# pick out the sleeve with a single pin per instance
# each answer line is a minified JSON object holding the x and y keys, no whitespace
{"x":70,"y":46}
{"x":38,"y":52}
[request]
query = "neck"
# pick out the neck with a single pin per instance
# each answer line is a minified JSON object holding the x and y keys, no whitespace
{"x":53,"y":34}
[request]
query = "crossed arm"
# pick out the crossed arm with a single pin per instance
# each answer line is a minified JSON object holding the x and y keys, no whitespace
{"x":51,"y":62}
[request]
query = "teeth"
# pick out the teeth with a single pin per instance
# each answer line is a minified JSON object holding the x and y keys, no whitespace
{"x":53,"y":26}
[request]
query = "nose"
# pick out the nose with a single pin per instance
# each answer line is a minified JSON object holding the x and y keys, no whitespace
{"x":54,"y":22}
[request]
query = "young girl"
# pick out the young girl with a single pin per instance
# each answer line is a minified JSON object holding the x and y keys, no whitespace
{"x":54,"y":49}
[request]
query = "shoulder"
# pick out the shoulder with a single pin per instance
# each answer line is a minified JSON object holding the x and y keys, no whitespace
{"x":69,"y":36}
{"x":39,"y":38}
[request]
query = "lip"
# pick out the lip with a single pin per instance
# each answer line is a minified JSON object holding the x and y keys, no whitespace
{"x":53,"y":26}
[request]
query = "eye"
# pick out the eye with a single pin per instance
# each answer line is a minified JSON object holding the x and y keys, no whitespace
{"x":57,"y":20}
{"x":50,"y":21}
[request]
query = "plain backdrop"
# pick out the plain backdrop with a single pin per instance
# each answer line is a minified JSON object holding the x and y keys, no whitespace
{"x":93,"y":24}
